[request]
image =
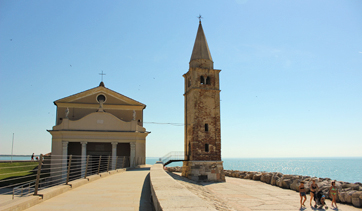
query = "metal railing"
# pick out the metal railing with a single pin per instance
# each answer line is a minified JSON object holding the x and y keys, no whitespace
{"x":173,"y":156}
{"x":55,"y":170}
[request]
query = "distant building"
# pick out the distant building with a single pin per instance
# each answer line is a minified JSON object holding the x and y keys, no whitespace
{"x":202,"y":116}
{"x":99,"y":122}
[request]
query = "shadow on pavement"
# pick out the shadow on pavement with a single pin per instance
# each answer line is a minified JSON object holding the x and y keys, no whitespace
{"x":146,"y":197}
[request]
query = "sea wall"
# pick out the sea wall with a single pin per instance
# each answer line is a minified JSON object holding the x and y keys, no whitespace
{"x":348,"y":193}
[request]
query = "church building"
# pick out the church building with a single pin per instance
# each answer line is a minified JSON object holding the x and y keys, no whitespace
{"x":202,"y":116}
{"x":99,"y":122}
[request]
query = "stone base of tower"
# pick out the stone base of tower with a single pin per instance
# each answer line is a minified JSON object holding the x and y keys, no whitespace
{"x":208,"y":171}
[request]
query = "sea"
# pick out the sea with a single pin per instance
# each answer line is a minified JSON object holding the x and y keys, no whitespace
{"x":340,"y":169}
{"x":348,"y":169}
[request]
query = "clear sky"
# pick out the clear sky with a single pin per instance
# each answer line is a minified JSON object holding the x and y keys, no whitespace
{"x":291,"y":71}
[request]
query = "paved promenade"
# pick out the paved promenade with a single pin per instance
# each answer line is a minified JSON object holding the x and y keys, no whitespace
{"x":250,"y":195}
{"x":124,"y":191}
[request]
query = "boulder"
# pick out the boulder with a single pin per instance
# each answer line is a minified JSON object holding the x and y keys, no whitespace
{"x":266,"y":177}
{"x":342,"y":196}
{"x":257,"y":176}
{"x":286,"y":183}
{"x":295,"y":185}
{"x":357,"y":199}
{"x":348,"y":196}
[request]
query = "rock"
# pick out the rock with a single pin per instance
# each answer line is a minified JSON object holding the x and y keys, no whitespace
{"x":342,"y":197}
{"x":257,"y":176}
{"x":295,"y":185}
{"x":348,"y":196}
{"x":286,"y":183}
{"x":357,"y":199}
{"x":266,"y":177}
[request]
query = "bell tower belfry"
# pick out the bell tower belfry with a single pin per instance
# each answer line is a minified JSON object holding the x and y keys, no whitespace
{"x":202,"y":116}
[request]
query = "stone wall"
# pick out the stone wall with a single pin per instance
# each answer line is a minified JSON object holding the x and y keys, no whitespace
{"x":348,"y":193}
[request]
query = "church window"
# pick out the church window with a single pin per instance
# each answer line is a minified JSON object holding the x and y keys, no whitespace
{"x":208,"y":80}
{"x":189,"y":82}
{"x":206,"y":147}
{"x":202,"y":80}
{"x":206,"y":127}
{"x":101,"y":98}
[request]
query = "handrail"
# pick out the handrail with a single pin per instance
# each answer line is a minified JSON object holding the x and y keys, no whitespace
{"x":173,"y":156}
{"x":54,"y":170}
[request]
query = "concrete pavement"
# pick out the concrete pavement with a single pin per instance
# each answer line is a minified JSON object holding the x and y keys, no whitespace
{"x":250,"y":195}
{"x":125,"y":191}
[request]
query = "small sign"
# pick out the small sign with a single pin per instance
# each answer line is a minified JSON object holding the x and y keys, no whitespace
{"x":100,"y":121}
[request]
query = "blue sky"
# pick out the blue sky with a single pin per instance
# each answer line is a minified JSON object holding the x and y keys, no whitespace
{"x":290,"y":80}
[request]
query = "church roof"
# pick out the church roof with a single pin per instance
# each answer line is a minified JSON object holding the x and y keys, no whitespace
{"x":201,"y":48}
{"x":114,"y":97}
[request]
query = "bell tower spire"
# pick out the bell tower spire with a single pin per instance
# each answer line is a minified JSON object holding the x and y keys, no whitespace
{"x":202,"y":116}
{"x":201,"y":56}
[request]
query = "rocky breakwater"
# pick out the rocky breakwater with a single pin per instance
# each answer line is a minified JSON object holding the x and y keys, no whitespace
{"x":348,"y":193}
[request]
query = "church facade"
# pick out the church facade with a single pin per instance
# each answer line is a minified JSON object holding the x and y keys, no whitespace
{"x":99,"y":122}
{"x":202,"y":116}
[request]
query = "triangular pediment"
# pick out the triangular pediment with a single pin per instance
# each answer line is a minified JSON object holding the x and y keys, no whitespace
{"x":90,"y":97}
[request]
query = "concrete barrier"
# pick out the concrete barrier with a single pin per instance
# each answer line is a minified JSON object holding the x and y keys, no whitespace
{"x":168,"y":194}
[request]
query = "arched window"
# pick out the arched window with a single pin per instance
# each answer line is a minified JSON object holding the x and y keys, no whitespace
{"x":206,"y":147}
{"x":202,"y":80}
{"x":189,"y":82}
{"x":208,"y":82}
{"x":206,"y":127}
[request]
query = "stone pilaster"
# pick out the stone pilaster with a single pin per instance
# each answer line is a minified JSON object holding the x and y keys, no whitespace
{"x":114,"y":154}
{"x":133,"y":154}
{"x":83,"y":157}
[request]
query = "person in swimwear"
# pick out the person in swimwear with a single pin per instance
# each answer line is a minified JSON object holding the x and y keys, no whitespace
{"x":333,"y":191}
{"x":313,"y":191}
{"x":302,"y":194}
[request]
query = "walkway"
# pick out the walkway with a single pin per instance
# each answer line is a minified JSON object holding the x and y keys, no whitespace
{"x":248,"y":195}
{"x":124,"y":191}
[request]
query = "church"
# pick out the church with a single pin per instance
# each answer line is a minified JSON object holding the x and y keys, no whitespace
{"x":99,"y":122}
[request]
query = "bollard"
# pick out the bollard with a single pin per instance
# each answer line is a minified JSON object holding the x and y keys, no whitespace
{"x":99,"y":165}
{"x":38,"y":175}
{"x":115,"y":166}
{"x":86,"y":167}
{"x":69,"y":163}
{"x":109,"y":158}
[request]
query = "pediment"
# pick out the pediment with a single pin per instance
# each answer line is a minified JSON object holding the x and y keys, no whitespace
{"x":90,"y":97}
{"x":99,"y":121}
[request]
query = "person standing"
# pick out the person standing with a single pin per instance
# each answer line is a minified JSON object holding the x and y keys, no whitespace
{"x":32,"y":156}
{"x":313,"y":191}
{"x":302,"y":194}
{"x":333,"y":191}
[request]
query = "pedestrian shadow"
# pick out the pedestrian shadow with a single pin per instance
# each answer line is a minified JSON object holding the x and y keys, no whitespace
{"x":146,"y":203}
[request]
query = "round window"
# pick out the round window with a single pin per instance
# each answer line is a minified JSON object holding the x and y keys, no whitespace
{"x":101,"y":98}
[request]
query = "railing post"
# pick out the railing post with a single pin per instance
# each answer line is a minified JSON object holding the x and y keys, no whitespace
{"x":99,"y":164}
{"x":123,"y":161}
{"x":109,"y":158}
{"x":69,"y":163}
{"x":115,"y":166}
{"x":38,"y":175}
{"x":86,"y":167}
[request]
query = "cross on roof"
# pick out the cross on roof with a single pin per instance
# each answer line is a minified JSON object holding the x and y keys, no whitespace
{"x":102,"y":74}
{"x":199,"y":18}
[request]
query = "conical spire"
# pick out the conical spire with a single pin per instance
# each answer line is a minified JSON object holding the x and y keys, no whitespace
{"x":201,"y":56}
